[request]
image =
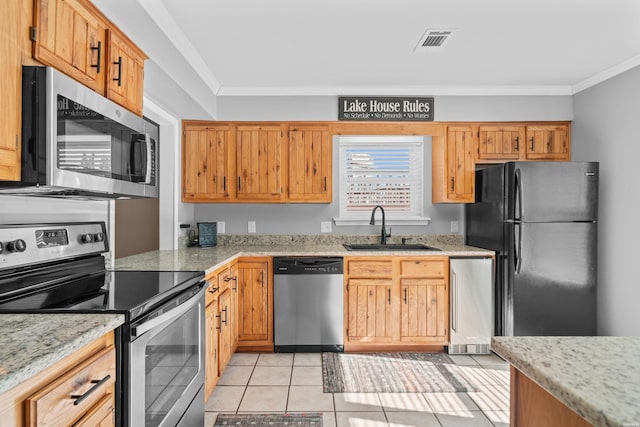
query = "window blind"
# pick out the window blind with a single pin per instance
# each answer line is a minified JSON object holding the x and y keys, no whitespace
{"x":384,"y":171}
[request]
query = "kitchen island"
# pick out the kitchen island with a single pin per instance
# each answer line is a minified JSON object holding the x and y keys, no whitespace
{"x":588,"y":380}
{"x":30,"y":343}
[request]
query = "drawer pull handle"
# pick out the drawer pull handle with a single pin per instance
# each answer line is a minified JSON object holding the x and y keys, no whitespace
{"x":97,"y":384}
{"x":214,"y":290}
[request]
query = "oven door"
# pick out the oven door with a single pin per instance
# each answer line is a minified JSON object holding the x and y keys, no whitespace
{"x":165,"y":357}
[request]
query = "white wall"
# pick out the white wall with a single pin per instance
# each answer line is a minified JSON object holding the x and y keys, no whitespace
{"x":605,"y":128}
{"x":305,"y":219}
{"x":447,"y":108}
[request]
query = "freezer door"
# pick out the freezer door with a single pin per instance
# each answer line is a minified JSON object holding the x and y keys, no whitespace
{"x":550,"y":288}
{"x":484,"y":218}
{"x":551,"y":191}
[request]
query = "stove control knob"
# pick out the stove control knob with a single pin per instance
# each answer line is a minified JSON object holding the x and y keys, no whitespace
{"x":86,"y":238}
{"x":98,"y":237}
{"x":16,"y":246}
{"x":1,"y":248}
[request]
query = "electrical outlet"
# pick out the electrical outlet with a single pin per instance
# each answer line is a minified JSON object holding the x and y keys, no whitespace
{"x":325,"y":226}
{"x":251,"y":226}
{"x":454,"y":226}
{"x":221,"y":227}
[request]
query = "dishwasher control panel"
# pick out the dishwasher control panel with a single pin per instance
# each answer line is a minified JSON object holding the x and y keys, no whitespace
{"x":308,"y":265}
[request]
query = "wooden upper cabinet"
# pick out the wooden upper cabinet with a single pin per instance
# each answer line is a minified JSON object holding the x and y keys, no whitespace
{"x":548,"y":142}
{"x":501,"y":143}
{"x":10,"y":88}
{"x":74,"y":37}
{"x":125,"y":71}
{"x":310,"y":165}
{"x":207,"y":161}
{"x":259,"y":163}
{"x":460,"y":165}
{"x":70,"y":36}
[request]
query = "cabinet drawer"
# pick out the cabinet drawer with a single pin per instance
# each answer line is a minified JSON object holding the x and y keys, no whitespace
{"x":427,"y":268}
{"x":370,"y":268}
{"x":85,"y":385}
{"x":213,"y":289}
{"x":101,"y":415}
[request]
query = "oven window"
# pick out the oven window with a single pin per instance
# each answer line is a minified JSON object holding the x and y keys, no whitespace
{"x":171,"y":364}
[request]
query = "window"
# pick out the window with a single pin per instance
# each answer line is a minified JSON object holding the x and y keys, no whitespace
{"x":381,"y":170}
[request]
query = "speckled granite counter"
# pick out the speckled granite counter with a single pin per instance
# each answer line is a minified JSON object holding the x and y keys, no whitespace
{"x":597,"y":377}
{"x":208,"y":259}
{"x":30,"y":343}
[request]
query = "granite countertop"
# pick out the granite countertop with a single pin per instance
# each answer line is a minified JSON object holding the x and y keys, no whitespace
{"x":209,"y":259}
{"x":30,"y":343}
{"x":597,"y":377}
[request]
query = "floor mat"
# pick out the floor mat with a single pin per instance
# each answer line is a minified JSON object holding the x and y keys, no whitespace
{"x":392,"y":373}
{"x":269,"y":420}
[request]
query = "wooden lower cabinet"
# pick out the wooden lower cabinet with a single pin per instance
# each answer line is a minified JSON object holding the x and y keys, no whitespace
{"x":44,"y":400}
{"x":396,"y":302}
{"x":211,"y":374}
{"x":531,"y":405}
{"x":221,"y":324}
{"x":225,"y":341}
{"x":255,"y":304}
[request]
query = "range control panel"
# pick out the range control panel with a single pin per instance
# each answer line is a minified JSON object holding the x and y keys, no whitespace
{"x":32,"y":244}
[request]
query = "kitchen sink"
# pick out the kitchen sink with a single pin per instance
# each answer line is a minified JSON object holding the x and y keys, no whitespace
{"x":388,"y":247}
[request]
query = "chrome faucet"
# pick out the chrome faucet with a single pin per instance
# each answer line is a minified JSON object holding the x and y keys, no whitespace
{"x":383,"y":232}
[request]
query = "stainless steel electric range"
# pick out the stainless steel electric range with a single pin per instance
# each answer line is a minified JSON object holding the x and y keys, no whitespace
{"x":49,"y":268}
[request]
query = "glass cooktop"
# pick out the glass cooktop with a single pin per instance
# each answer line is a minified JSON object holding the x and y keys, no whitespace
{"x":131,"y":293}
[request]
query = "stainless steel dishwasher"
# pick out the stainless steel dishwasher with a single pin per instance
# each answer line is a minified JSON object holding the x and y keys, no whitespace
{"x":308,"y":304}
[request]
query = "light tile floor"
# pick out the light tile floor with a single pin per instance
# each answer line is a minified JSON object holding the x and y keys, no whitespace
{"x":286,"y":382}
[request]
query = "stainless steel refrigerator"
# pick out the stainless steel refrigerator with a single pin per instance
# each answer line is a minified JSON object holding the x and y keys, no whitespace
{"x":541,"y":219}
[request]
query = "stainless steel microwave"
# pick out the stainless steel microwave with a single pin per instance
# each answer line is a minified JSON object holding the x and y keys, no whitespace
{"x":77,"y":143}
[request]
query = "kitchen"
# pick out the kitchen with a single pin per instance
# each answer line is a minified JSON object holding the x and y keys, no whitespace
{"x":596,"y":134}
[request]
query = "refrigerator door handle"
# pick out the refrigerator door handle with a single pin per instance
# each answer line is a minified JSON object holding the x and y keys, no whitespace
{"x":454,"y":302}
{"x":518,"y":196}
{"x":518,"y":247}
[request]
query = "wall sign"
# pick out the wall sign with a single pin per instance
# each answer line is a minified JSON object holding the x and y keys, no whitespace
{"x":365,"y":108}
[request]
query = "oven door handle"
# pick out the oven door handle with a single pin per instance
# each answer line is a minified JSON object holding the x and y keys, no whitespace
{"x":173,"y":314}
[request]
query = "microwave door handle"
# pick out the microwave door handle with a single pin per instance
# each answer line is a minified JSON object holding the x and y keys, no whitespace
{"x":149,"y":159}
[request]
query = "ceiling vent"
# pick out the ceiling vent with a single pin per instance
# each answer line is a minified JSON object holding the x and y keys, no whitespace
{"x":434,"y":39}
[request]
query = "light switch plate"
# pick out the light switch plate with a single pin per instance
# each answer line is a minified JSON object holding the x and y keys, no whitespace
{"x":454,"y":226}
{"x":221,"y":227}
{"x":251,"y":226}
{"x":325,"y":226}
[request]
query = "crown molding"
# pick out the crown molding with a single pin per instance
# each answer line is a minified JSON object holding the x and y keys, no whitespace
{"x":163,"y":19}
{"x":607,"y":74}
{"x":396,"y":91}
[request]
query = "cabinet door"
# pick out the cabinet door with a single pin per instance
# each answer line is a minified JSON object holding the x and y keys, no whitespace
{"x":70,"y":36}
{"x":548,"y":142}
{"x":310,"y":164}
{"x":212,"y":324}
{"x":124,"y":83}
{"x":500,"y":143}
{"x":372,"y":310}
{"x":423,"y":311}
{"x":460,"y":165}
{"x":224,"y":340}
{"x":206,"y":163}
{"x":254,"y":304}
{"x":10,"y":88}
{"x":235,"y":305}
{"x":259,"y":163}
